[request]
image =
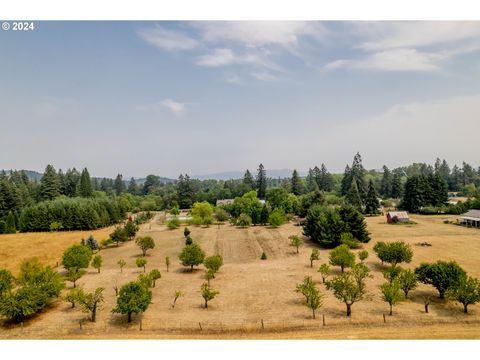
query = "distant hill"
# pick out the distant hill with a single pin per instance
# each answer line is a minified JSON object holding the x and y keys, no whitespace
{"x":227,"y":175}
{"x":32,"y":175}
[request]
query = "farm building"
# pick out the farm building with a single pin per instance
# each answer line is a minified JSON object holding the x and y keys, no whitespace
{"x":397,"y":216}
{"x":471,"y":218}
{"x":225,"y":202}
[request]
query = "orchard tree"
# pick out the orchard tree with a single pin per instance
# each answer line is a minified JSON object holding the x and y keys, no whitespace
{"x":342,"y":256}
{"x":130,"y":229}
{"x":305,"y":287}
{"x":391,"y":273}
{"x":296,"y":241}
{"x":466,"y":293}
{"x":73,"y":296}
{"x":363,"y":255}
{"x":145,"y":243}
{"x":133,"y":298}
{"x":77,"y":256}
{"x":394,"y":252}
{"x":90,"y":302}
{"x":178,"y":294}
{"x":73,"y":274}
{"x":408,"y":281}
{"x":119,"y":235}
{"x":121,"y":263}
{"x":97,"y":262}
{"x":442,"y":275}
{"x":154,"y":275}
{"x":192,"y":255}
{"x":313,"y":297}
{"x":324,"y":270}
{"x":350,"y":286}
{"x":6,"y":281}
{"x":213,"y":263}
{"x":391,"y":294}
{"x":315,"y":255}
{"x":208,"y":293}
{"x":167,"y":262}
{"x":186,"y":232}
{"x":141,"y":262}
{"x":209,"y":275}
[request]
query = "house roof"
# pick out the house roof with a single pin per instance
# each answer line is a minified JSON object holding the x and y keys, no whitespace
{"x":399,"y":214}
{"x":472,"y":215}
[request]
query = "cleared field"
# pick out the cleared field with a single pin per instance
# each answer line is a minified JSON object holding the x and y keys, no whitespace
{"x":252,"y":290}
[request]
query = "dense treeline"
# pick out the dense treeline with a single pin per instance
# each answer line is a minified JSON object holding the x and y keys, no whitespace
{"x":420,"y":187}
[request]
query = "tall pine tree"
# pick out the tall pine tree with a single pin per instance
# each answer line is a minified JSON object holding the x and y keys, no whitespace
{"x":119,"y":184}
{"x":185,"y":192}
{"x":296,"y":183}
{"x":248,"y":181}
{"x":261,"y":182}
{"x":85,"y":188}
{"x":132,"y":187}
{"x":353,"y":196}
{"x":386,"y":184}
{"x":49,"y":184}
{"x":371,"y":202}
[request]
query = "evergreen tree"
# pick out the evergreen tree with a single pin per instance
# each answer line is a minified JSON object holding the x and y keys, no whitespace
{"x":10,"y":227}
{"x":248,"y":181}
{"x":119,"y":184}
{"x":85,"y":185}
{"x":386,"y":184}
{"x":311,"y":182}
{"x":396,"y":191}
{"x":325,"y":179}
{"x":296,"y":183}
{"x":49,"y":184}
{"x":185,"y":191}
{"x":354,"y":223}
{"x":261,"y":182}
{"x":264,"y":214}
{"x":353,"y":196}
{"x":371,"y":202}
{"x":132,"y":187}
{"x":346,"y":181}
{"x":151,"y":183}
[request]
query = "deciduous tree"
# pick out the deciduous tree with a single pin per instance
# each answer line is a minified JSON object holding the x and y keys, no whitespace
{"x":296,"y":242}
{"x":342,"y":256}
{"x":133,"y":298}
{"x":145,"y":243}
{"x":208,"y":293}
{"x":192,"y":255}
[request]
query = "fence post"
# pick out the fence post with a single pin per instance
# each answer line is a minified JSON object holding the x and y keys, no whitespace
{"x":81,"y":323}
{"x":384,"y":320}
{"x":140,"y":324}
{"x":200,"y":326}
{"x":323,"y":319}
{"x":263,"y":326}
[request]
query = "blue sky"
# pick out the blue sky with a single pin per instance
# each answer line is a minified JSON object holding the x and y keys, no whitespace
{"x":206,"y":97}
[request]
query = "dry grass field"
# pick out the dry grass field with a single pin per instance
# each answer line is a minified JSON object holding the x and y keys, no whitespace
{"x":252,"y":290}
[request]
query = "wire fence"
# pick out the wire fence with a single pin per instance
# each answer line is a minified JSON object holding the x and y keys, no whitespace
{"x":141,"y":327}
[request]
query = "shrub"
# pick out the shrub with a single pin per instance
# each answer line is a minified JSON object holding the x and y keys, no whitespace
{"x":221,"y":215}
{"x":173,"y":224}
{"x":77,"y":256}
{"x":350,"y":241}
{"x":192,"y":255}
{"x":342,"y":256}
{"x":244,"y":220}
{"x":276,"y":218}
{"x":264,"y":256}
{"x":213,"y":263}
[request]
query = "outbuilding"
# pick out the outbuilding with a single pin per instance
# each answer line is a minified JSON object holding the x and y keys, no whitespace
{"x":397,"y":216}
{"x":471,"y":218}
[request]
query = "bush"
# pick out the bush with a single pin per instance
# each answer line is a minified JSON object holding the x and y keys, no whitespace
{"x":221,"y":215}
{"x":244,"y":220}
{"x":192,"y":255}
{"x":276,"y":218}
{"x":350,"y":241}
{"x":264,"y":256}
{"x":77,"y":256}
{"x":173,"y":224}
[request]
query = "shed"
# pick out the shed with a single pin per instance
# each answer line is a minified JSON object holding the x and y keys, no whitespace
{"x":400,"y":216}
{"x":471,"y":218}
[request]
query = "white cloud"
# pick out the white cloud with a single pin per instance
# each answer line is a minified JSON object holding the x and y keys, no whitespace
{"x":168,"y":39}
{"x":400,"y":34}
{"x":259,"y":33}
{"x":174,"y":106}
{"x":219,"y":57}
{"x":391,"y":60}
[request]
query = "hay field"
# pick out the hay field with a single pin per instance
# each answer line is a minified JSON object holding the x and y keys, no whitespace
{"x":252,"y":290}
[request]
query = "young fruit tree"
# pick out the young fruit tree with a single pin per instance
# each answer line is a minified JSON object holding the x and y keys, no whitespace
{"x":178,"y":294}
{"x":305,"y":287}
{"x":145,"y":280}
{"x":77,"y":256}
{"x":97,"y":262}
{"x":466,"y":293}
{"x":363,"y":255}
{"x":167,"y":262}
{"x":391,"y":273}
{"x":209,"y":275}
{"x":154,"y":276}
{"x":73,"y":274}
{"x":73,"y":295}
{"x":315,"y":255}
{"x":208,"y":293}
{"x":121,"y":263}
{"x":90,"y":302}
{"x":391,"y":293}
{"x":394,"y":252}
{"x":192,"y":255}
{"x":350,"y":286}
{"x":186,"y":232}
{"x":145,"y":243}
{"x":313,"y":296}
{"x":295,"y":241}
{"x":408,"y":281}
{"x":324,"y":270}
{"x":342,"y":256}
{"x":133,"y":298}
{"x":442,"y":275}
{"x":213,"y":263}
{"x":141,"y":262}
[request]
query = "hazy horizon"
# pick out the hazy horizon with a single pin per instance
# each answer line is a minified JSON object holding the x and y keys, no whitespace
{"x":201,"y":98}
